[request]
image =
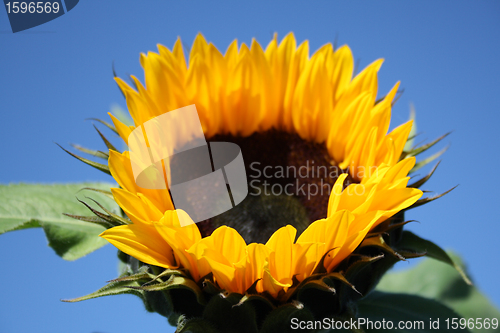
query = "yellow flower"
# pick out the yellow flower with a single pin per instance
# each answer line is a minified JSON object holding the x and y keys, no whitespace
{"x":248,"y":92}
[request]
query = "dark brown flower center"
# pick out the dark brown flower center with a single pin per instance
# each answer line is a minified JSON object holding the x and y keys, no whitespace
{"x":289,"y":180}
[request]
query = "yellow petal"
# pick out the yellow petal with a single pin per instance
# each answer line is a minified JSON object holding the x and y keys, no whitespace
{"x":280,"y":243}
{"x":122,"y":129}
{"x":229,"y":243}
{"x":257,"y":255}
{"x":143,"y":243}
{"x":224,"y":274}
{"x":334,"y":200}
{"x":139,"y":209}
{"x":269,"y":283}
{"x":343,"y":66}
{"x":305,"y":258}
{"x":180,"y":239}
{"x":332,"y":232}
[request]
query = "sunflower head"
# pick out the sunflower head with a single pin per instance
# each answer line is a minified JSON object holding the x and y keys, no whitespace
{"x":327,"y":180}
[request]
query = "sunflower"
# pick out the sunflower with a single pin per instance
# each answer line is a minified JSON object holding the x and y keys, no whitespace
{"x":284,"y":109}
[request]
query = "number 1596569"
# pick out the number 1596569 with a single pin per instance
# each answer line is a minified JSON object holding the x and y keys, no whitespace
{"x":32,"y":7}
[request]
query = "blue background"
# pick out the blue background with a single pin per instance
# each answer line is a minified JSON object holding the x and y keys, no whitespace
{"x":55,"y":75}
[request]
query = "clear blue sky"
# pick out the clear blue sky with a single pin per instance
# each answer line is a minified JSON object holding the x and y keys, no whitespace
{"x":52,"y":77}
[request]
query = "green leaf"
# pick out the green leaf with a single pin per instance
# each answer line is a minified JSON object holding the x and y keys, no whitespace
{"x":39,"y":205}
{"x":412,"y":242}
{"x":432,"y":279}
{"x":407,"y":309}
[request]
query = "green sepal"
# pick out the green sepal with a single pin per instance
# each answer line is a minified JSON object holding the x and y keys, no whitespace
{"x":92,"y":219}
{"x":106,"y":193}
{"x":365,"y":270}
{"x":319,"y":298}
{"x":108,"y":218}
{"x":92,"y":152}
{"x":260,"y":303}
{"x":315,"y":284}
{"x":167,"y":272}
{"x":112,"y":217}
{"x":360,"y":262}
{"x":430,"y":159}
{"x":429,"y":199}
{"x":142,"y":275}
{"x":423,"y":180}
{"x":320,"y":267}
{"x":319,"y":293}
{"x":379,"y":242}
{"x":175,"y":282}
{"x":108,"y":125}
{"x":253,"y":288}
{"x":389,"y":226}
{"x":113,"y":288}
{"x":155,"y":301}
{"x":420,"y":149}
{"x":196,"y":325}
{"x":108,"y":144}
{"x":227,"y":315}
{"x":280,"y":320}
{"x":413,"y":242}
{"x":115,"y":76}
{"x":101,"y":167}
{"x":339,"y":277}
{"x":209,"y":286}
{"x":394,"y":238}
